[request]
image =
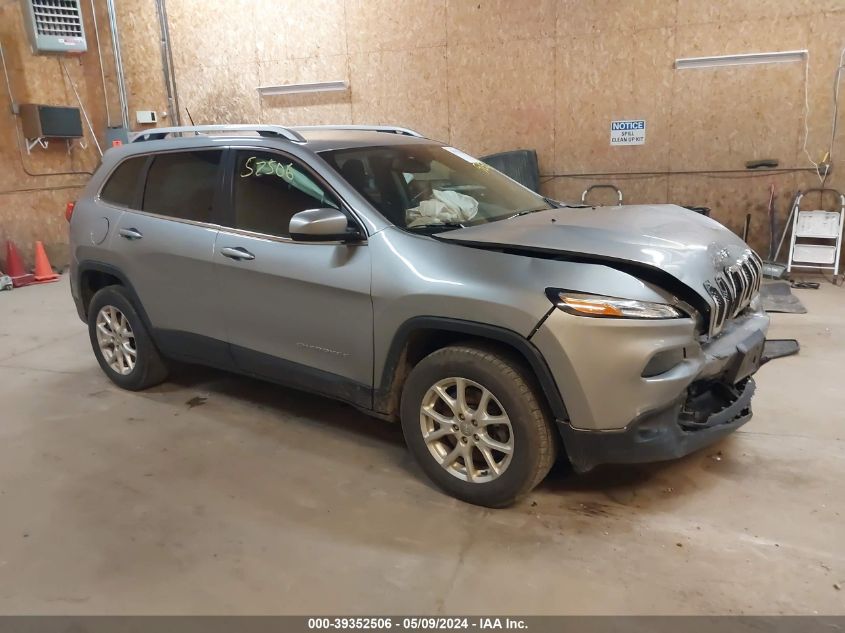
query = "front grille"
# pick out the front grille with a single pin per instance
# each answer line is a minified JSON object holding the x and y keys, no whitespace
{"x":733,"y":288}
{"x":57,"y":17}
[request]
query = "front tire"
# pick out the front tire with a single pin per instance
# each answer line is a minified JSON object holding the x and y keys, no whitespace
{"x":473,"y":421}
{"x":123,"y":346}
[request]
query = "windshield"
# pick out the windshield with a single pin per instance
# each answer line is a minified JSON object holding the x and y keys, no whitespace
{"x":428,"y":186}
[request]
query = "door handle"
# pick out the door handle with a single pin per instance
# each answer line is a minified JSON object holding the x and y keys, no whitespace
{"x":236,"y":253}
{"x":131,"y":234}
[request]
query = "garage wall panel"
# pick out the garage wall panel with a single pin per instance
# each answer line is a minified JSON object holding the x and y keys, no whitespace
{"x":495,"y":105}
{"x":476,"y":22}
{"x":731,"y":11}
{"x":312,"y":28}
{"x":220,"y":94}
{"x":270,"y":35}
{"x":139,"y":30}
{"x":609,"y":17}
{"x":826,"y":34}
{"x":140,"y":33}
{"x":393,"y":25}
{"x":604,"y":79}
{"x":727,"y":116}
{"x":724,"y":117}
{"x":407,"y":88}
{"x":205,"y":38}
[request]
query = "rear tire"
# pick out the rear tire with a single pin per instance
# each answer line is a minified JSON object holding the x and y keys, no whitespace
{"x":121,"y":342}
{"x":506,"y":436}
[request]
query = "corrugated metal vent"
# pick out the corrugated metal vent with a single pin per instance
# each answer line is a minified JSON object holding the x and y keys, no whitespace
{"x":55,"y":26}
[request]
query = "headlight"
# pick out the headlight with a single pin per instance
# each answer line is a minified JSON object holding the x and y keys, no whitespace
{"x":583,"y":304}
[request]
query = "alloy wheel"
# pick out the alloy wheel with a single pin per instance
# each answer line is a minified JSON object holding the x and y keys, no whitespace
{"x":116,"y":340}
{"x":466,"y":429}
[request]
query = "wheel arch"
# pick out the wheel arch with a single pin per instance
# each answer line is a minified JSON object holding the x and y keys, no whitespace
{"x":420,"y":336}
{"x":94,"y":275}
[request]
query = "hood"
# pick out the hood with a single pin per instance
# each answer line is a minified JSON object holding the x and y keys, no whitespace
{"x":695,"y":258}
{"x":690,"y":247}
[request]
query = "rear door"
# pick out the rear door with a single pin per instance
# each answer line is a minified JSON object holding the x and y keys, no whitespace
{"x":299,"y":313}
{"x":165,"y":245}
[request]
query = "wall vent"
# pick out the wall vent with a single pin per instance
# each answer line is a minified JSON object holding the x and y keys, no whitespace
{"x":55,"y":26}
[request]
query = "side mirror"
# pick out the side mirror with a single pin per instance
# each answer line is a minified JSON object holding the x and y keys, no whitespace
{"x":322,"y":225}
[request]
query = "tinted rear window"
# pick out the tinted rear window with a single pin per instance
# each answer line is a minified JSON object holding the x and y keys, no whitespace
{"x":181,"y":185}
{"x":120,"y":188}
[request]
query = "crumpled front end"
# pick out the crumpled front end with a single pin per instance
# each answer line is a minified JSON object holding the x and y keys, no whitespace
{"x":649,"y":390}
{"x":666,"y":434}
{"x":653,"y":384}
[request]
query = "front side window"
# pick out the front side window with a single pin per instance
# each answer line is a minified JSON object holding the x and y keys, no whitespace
{"x":428,"y":186}
{"x":181,"y":185}
{"x":270,"y":188}
{"x":121,"y":186}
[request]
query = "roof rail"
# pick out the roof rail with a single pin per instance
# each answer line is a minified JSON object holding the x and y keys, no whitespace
{"x":390,"y":129}
{"x":263,"y":130}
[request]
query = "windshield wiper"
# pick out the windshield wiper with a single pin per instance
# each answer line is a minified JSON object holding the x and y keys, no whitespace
{"x":527,"y":211}
{"x":436,"y":225}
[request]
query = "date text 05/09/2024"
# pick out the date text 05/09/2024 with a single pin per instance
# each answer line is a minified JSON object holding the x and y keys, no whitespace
{"x":418,"y":623}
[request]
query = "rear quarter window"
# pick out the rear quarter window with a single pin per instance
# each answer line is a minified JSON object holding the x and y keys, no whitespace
{"x":121,"y":186}
{"x":181,"y":184}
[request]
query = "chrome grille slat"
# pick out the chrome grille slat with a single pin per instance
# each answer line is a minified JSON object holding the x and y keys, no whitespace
{"x":751,"y":267}
{"x":723,"y":314}
{"x":752,"y":273}
{"x":736,"y":289}
{"x":746,"y":280}
{"x":733,"y":288}
{"x":723,"y":287}
{"x":719,"y":305}
{"x":758,"y":267}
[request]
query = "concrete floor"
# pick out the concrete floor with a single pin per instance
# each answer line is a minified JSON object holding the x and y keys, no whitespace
{"x":265,"y":500}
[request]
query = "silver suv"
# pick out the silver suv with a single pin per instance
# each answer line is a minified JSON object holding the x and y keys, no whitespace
{"x":410,"y":280}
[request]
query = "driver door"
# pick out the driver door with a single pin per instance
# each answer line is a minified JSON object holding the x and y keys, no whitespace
{"x":299,"y":313}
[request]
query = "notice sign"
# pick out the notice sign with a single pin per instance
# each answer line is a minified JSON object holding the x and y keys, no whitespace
{"x":627,"y":132}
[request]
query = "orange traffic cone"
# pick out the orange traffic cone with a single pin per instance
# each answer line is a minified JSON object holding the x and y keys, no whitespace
{"x":43,"y":270}
{"x":15,"y":268}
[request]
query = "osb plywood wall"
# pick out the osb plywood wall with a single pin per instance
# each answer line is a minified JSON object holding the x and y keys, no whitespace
{"x":35,"y":187}
{"x":485,"y":75}
{"x":493,"y":75}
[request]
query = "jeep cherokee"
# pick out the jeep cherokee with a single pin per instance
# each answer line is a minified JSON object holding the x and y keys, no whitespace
{"x":413,"y":281}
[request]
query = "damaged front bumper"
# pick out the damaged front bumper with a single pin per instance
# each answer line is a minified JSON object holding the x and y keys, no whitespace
{"x":678,"y":430}
{"x":649,"y":390}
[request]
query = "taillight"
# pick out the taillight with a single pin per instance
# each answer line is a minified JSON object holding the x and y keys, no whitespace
{"x":69,"y":210}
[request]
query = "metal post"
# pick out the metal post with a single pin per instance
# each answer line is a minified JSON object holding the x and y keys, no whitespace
{"x":100,"y":57}
{"x":118,"y":64}
{"x":167,"y":64}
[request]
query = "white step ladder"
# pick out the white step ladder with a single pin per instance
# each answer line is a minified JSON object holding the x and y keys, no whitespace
{"x":810,"y":231}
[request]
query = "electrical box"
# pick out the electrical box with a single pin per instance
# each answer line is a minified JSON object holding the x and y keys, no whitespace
{"x":43,"y":121}
{"x":55,"y":26}
{"x":146,"y":116}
